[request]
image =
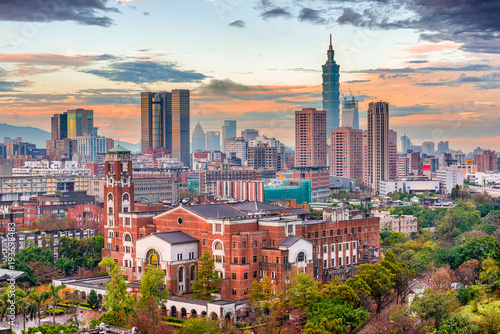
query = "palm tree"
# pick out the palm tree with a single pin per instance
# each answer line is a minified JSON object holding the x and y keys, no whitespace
{"x":36,"y":303}
{"x":400,"y":216}
{"x":22,"y":301}
{"x":55,"y":297}
{"x":4,"y":303}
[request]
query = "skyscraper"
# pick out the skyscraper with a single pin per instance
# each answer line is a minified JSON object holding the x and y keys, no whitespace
{"x":212,"y":141}
{"x":428,"y":148}
{"x":393,"y":154}
{"x":59,"y":126}
{"x":378,"y":144}
{"x":198,"y":141}
{"x":350,"y":114}
{"x":405,"y":144}
{"x":80,"y":122}
{"x":228,"y":132}
{"x":346,"y":158}
{"x":443,"y":147}
{"x":249,"y":134}
{"x":156,"y":120}
{"x":310,"y":138}
{"x":180,"y":126}
{"x":331,"y":93}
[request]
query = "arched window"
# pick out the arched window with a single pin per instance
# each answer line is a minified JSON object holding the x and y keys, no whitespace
{"x":153,"y":258}
{"x":181,"y":275}
{"x":218,"y":246}
{"x":110,"y":197}
{"x":301,"y":257}
{"x":126,"y":197}
{"x":192,"y":274}
{"x":127,"y":237}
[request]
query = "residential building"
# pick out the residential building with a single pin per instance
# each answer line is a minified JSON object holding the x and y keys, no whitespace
{"x":408,"y":164}
{"x":331,"y":91}
{"x":236,"y":147}
{"x":486,"y":161}
{"x":209,"y":178}
{"x":264,"y":156}
{"x":64,"y":148}
{"x":443,"y":147}
{"x":350,"y":113}
{"x":319,"y":177}
{"x":393,"y":154}
{"x":378,"y":144}
{"x":89,"y":146}
{"x":449,"y":178}
{"x":346,"y":157}
{"x":406,"y":224}
{"x":310,"y":138}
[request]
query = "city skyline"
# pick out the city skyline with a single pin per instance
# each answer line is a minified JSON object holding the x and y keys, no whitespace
{"x":441,"y":81}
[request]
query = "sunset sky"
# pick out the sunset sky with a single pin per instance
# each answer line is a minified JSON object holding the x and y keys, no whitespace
{"x":436,"y":62}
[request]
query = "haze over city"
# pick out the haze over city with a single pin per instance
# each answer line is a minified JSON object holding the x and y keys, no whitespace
{"x":255,"y":62}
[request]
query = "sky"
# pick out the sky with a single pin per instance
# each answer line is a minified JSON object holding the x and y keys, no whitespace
{"x":435,"y":61}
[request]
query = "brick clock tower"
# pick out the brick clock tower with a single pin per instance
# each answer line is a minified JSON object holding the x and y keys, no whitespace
{"x":118,"y":198}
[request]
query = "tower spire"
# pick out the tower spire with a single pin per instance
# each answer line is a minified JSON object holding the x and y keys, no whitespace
{"x":330,"y":41}
{"x":330,"y":51}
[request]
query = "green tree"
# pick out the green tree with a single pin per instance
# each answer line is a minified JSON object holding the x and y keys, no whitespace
{"x":67,"y":265}
{"x":489,"y":322}
{"x":200,"y":326}
{"x":117,"y":299}
{"x":93,"y":300}
{"x":303,"y":292}
{"x":22,"y":304}
{"x":432,"y":305}
{"x":459,"y":323}
{"x":207,"y":278}
{"x":151,"y":288}
{"x":55,"y":298}
{"x":343,"y":291}
{"x":36,"y":301}
{"x":335,"y":309}
{"x":379,"y":279}
{"x":324,"y":327}
{"x":262,"y":293}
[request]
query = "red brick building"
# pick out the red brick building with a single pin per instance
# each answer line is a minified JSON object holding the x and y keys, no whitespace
{"x":88,"y":216}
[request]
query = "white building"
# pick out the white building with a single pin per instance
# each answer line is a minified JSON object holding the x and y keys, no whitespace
{"x":449,"y":178}
{"x":485,"y":179}
{"x":89,"y":146}
{"x":239,"y":148}
{"x":409,"y":186}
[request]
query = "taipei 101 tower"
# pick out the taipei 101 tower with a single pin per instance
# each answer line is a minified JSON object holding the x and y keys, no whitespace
{"x":331,"y":94}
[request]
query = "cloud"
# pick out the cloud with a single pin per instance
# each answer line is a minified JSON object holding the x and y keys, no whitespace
{"x":311,"y":15}
{"x":488,"y":81}
{"x":417,"y":61}
{"x":416,"y":109}
{"x":52,"y":59}
{"x":276,"y":12}
{"x":225,"y":86}
{"x":429,"y":69}
{"x":9,"y":86}
{"x":349,"y":16}
{"x":87,"y":12}
{"x":357,"y":81}
{"x":238,"y":24}
{"x":140,"y":72}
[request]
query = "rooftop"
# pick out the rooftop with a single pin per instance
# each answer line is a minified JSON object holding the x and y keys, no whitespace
{"x":289,"y":241}
{"x":258,"y":207}
{"x":119,"y":149}
{"x":176,"y":237}
{"x":211,"y":211}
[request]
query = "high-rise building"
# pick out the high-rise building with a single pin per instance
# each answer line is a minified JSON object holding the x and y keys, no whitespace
{"x":228,"y":132}
{"x":428,"y":148}
{"x":486,"y":161}
{"x":378,"y":144}
{"x":198,"y":143}
{"x":80,"y":122}
{"x":89,"y":146}
{"x":180,"y":126}
{"x":237,"y":148}
{"x":405,"y":144}
{"x":263,"y":156}
{"x":59,"y":126}
{"x":350,"y":113}
{"x":331,"y":93}
{"x":409,"y":165}
{"x":393,"y":154}
{"x":156,"y":120}
{"x":346,"y":157}
{"x":443,"y":147}
{"x":249,"y":134}
{"x":310,"y":138}
{"x":212,"y":140}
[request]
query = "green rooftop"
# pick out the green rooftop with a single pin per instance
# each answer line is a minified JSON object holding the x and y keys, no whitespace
{"x":119,"y":149}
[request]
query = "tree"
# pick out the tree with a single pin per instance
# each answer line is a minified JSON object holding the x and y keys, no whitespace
{"x":335,"y":309}
{"x":152,"y":286}
{"x":207,"y":278}
{"x":55,"y":298}
{"x":489,"y":322}
{"x":148,"y":319}
{"x":117,"y":298}
{"x":67,"y":265}
{"x":261,"y":294}
{"x":93,"y":300}
{"x":344,"y":292}
{"x":490,"y":269}
{"x":433,"y":305}
{"x":45,"y":273}
{"x":200,"y":326}
{"x":379,"y":279}
{"x":459,"y":323}
{"x":468,"y":272}
{"x":303,"y":292}
{"x":454,"y":192}
{"x":22,"y":303}
{"x":402,"y":275}
{"x":36,"y":301}
{"x":324,"y":327}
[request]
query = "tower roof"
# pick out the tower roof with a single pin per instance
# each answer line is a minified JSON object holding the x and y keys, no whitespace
{"x":119,"y":149}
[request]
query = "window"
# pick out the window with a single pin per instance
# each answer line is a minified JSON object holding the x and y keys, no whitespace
{"x":218,"y":246}
{"x":245,"y":291}
{"x":373,"y":241}
{"x":127,"y":221}
{"x":352,"y":230}
{"x":233,"y":276}
{"x":340,"y":261}
{"x":126,"y":249}
{"x":117,"y":234}
{"x":331,"y":232}
{"x":234,"y":292}
{"x":301,"y":257}
{"x":117,"y":248}
{"x":255,"y":243}
{"x":204,"y":242}
{"x":110,"y":197}
{"x":354,"y":259}
{"x":110,"y":234}
{"x":179,"y":257}
{"x":125,"y":209}
{"x":262,"y":273}
{"x":142,"y":234}
{"x":218,"y":258}
{"x":285,"y":259}
{"x":218,"y":227}
{"x":340,"y":248}
{"x":255,"y":259}
{"x":153,"y":258}
{"x":181,"y":275}
{"x":254,"y":274}
{"x":354,"y":245}
{"x":308,"y":235}
{"x":128,"y":238}
{"x":359,"y":229}
{"x":325,"y":264}
{"x":245,"y":276}
{"x":338,"y":231}
{"x":179,"y":221}
{"x":273,"y":242}
{"x":243,"y":260}
{"x":235,"y":244}
{"x":243,"y":244}
{"x":126,"y":197}
{"x":316,"y":234}
{"x":110,"y":210}
{"x":191,"y":255}
{"x":110,"y":246}
{"x":235,"y":260}
{"x":373,"y":228}
{"x":325,"y":248}
{"x":290,"y":229}
{"x":262,"y":258}
{"x":277,"y":259}
{"x":264,"y":243}
{"x":347,"y":246}
{"x":274,"y":275}
{"x":139,"y":269}
{"x":366,"y":228}
{"x":324,"y":233}
{"x":192,"y":273}
{"x":266,"y":259}
{"x":347,"y":260}
{"x":345,"y":230}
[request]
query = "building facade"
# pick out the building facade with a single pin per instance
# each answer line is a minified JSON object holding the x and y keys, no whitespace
{"x":331,"y":90}
{"x":350,"y":113}
{"x":310,"y":138}
{"x":346,"y":157}
{"x":378,"y":144}
{"x":198,"y":142}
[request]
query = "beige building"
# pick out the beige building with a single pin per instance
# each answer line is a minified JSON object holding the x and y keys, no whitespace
{"x":310,"y":138}
{"x":346,"y":155}
{"x":392,"y":223}
{"x":378,"y":144}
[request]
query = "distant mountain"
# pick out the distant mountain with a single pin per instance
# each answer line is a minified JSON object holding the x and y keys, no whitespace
{"x":28,"y":133}
{"x":132,"y":147}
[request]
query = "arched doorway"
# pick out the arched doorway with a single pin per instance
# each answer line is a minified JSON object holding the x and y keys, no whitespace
{"x":203,"y":314}
{"x":214,"y":316}
{"x":181,"y":279}
{"x":228,"y":317}
{"x":183,"y":313}
{"x":164,"y":310}
{"x":173,"y":312}
{"x":194,"y":314}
